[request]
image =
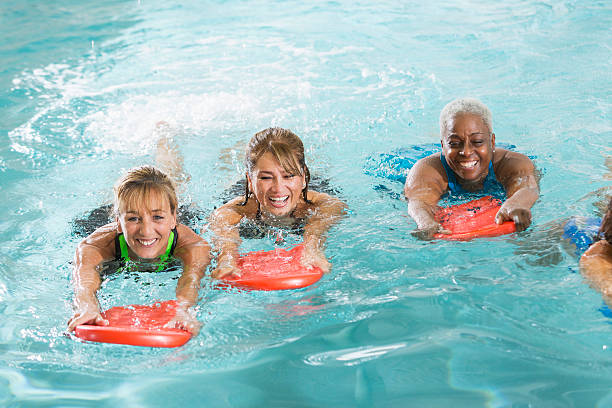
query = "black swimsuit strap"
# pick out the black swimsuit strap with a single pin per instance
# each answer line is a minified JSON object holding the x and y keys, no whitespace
{"x":174,"y":241}
{"x":117,"y":247}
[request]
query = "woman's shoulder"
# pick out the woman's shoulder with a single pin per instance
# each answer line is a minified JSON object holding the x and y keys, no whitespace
{"x":510,"y":156}
{"x":322,"y":203}
{"x":509,"y":161}
{"x":184,"y":230}
{"x":102,"y":240}
{"x":429,"y":165}
{"x":317,"y":197}
{"x":427,"y":172}
{"x":104,"y":233}
{"x":596,"y":262}
{"x":187,"y":236}
{"x":432,"y":159}
{"x":235,"y":209}
{"x":600,"y":248}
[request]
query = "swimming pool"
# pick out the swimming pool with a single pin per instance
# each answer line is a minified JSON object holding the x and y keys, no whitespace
{"x":398,"y":322}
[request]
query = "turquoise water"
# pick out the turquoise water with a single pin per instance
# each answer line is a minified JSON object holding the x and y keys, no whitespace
{"x":398,"y":322}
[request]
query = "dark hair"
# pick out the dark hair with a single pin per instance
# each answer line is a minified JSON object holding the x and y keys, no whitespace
{"x":605,"y":231}
{"x":285,"y":146}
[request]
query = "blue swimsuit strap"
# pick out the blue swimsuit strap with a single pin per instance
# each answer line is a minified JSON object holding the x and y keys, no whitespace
{"x":454,"y":186}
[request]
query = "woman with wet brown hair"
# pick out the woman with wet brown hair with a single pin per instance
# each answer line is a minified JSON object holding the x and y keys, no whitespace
{"x":276,"y":197}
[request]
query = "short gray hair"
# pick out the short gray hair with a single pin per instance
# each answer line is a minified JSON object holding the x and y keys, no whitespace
{"x":465,"y":105}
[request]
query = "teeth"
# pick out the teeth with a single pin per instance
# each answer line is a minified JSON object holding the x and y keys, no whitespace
{"x":279,"y":198}
{"x":146,"y":242}
{"x":468,"y":165}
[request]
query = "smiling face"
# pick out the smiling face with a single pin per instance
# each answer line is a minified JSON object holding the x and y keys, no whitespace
{"x":146,"y":224}
{"x":277,"y":191}
{"x":468,"y":146}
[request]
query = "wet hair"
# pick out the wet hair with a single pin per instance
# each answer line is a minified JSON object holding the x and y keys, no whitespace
{"x":605,"y":231}
{"x":465,"y":105}
{"x":139,"y":184}
{"x":285,"y":146}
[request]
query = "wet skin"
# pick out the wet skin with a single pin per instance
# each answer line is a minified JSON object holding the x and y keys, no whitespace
{"x":278,"y":202}
{"x":468,"y":146}
{"x":147,"y":229}
{"x":277,"y":191}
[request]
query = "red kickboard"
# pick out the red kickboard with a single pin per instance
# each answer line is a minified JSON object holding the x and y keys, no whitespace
{"x":137,"y":325}
{"x":278,"y":269}
{"x":474,"y":219}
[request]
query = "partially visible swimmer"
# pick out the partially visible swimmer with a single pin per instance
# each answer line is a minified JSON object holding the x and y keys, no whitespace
{"x":276,"y":196}
{"x":469,"y":163}
{"x":145,"y":231}
{"x":596,"y":262}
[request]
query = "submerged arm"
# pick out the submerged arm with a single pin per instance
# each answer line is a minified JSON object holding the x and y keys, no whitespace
{"x":86,"y":281}
{"x":194,"y":253}
{"x":596,"y":266}
{"x":226,"y":238}
{"x":195,"y":256}
{"x":423,"y":189}
{"x":327,"y":212}
{"x":517,"y":175}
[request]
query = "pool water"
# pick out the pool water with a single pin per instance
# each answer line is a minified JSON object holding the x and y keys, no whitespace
{"x":398,"y":322}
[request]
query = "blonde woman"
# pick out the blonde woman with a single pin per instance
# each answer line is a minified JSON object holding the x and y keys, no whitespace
{"x":145,"y":231}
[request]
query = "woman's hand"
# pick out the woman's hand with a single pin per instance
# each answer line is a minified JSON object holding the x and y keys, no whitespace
{"x":314,"y":257}
{"x":519,"y":180}
{"x":88,"y":313}
{"x":185,"y":319}
{"x":427,"y":230}
{"x":225,"y":268}
{"x":512,"y":212}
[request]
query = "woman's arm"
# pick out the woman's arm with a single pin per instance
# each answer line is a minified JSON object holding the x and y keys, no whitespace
{"x":423,"y":189}
{"x":327,"y":211}
{"x":596,"y":266}
{"x":194,"y":253}
{"x":517,"y":175}
{"x":226,"y":237}
{"x":90,"y":254}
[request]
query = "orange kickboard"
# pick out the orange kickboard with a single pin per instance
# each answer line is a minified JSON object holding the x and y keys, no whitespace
{"x":137,"y":325}
{"x":474,"y":219}
{"x":279,"y":269}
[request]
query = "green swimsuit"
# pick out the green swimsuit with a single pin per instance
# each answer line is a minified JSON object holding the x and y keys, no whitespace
{"x":121,"y":249}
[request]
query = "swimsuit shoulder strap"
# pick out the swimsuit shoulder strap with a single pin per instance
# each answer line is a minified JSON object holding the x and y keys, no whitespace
{"x":491,"y":184}
{"x":121,"y":248}
{"x":172,"y":241}
{"x":163,"y":259}
{"x":453,"y":186}
{"x":491,"y":174}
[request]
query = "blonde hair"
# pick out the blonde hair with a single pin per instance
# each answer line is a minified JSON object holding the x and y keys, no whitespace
{"x":465,"y":105}
{"x":138,"y":186}
{"x":287,"y":149}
